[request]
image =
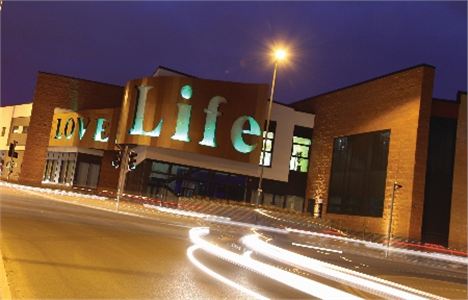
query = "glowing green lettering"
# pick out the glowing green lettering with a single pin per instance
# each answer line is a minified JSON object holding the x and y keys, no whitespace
{"x":237,"y":131}
{"x":137,"y":128}
{"x":101,"y":126}
{"x":183,"y":117}
{"x":183,"y":123}
{"x":186,"y":92}
{"x":209,"y":135}
{"x":68,"y":132}
{"x":82,"y":127}
{"x":58,"y":135}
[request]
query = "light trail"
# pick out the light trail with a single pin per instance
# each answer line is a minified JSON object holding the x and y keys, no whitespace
{"x":367,"y":283}
{"x":316,"y":248}
{"x":266,"y":214}
{"x":50,"y":191}
{"x":187,"y":213}
{"x":227,"y":221}
{"x":220,"y":277}
{"x":437,"y":256}
{"x":305,"y":285}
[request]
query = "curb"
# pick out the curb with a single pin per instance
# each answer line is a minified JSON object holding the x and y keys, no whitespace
{"x":5,"y":293}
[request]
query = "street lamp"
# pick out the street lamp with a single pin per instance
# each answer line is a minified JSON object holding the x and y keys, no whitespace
{"x":279,"y":55}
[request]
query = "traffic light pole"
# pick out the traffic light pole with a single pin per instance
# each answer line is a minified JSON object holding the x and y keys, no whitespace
{"x":122,"y":175}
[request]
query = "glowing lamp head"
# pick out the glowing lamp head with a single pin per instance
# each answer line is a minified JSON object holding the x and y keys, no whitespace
{"x":280,"y":54}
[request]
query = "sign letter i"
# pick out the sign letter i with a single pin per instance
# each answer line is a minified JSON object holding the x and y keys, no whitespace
{"x":183,"y":116}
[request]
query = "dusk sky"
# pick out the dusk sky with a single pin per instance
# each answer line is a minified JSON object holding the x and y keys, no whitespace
{"x":334,"y":44}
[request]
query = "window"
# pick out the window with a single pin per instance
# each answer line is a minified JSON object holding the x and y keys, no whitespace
{"x":267,"y":148}
{"x":3,"y":131}
{"x":159,"y":171}
{"x":25,"y":129}
{"x":358,"y":174}
{"x":300,"y":154}
{"x":15,"y":129}
{"x":302,"y":140}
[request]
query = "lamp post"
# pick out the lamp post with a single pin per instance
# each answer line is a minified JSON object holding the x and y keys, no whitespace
{"x":279,"y":55}
{"x":396,"y":186}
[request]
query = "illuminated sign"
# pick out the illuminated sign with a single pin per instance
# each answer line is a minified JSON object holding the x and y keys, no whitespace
{"x":203,"y":116}
{"x":89,"y":128}
{"x":183,"y":122}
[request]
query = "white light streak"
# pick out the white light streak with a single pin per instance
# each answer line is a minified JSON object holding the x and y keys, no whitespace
{"x":218,"y":276}
{"x":227,"y":221}
{"x":437,"y":256}
{"x":266,"y":214}
{"x":187,"y":213}
{"x":50,"y":191}
{"x":305,"y":285}
{"x":316,"y":248}
{"x":370,"y":284}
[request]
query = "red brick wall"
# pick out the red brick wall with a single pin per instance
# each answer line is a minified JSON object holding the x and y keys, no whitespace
{"x":457,"y":231}
{"x":400,"y":102}
{"x":64,"y":92}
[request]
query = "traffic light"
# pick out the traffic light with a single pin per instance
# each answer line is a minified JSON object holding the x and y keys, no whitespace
{"x":132,"y":160}
{"x":117,"y":160}
{"x":11,"y":150}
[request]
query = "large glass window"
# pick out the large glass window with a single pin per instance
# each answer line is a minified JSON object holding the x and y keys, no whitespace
{"x":358,"y":174}
{"x":190,"y":181}
{"x":267,"y":149}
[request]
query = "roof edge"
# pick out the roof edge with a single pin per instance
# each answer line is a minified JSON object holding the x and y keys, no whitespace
{"x":174,"y":71}
{"x":363,"y":82}
{"x":26,"y":103}
{"x":76,"y":78}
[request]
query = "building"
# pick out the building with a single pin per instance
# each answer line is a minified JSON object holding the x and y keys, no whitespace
{"x":194,"y":137}
{"x":385,"y":130}
{"x":14,"y":124}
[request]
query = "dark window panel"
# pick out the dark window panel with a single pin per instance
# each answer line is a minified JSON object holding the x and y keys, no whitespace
{"x":358,"y":174}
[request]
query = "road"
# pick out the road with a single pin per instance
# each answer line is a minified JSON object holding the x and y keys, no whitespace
{"x":59,"y":250}
{"x":62,"y":250}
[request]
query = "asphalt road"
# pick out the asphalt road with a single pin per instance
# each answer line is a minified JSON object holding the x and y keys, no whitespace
{"x":61,"y":250}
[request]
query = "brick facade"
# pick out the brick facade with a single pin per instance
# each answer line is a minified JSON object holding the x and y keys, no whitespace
{"x":458,"y":216}
{"x":56,"y":91}
{"x":400,"y":102}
